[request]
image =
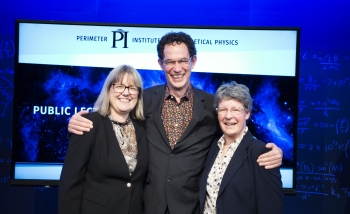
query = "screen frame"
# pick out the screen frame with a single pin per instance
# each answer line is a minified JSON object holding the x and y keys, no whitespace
{"x":50,"y":182}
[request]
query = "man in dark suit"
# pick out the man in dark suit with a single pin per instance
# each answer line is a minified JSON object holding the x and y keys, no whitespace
{"x":181,"y":124}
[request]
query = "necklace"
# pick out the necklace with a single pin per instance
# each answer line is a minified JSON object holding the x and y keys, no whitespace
{"x":119,"y":123}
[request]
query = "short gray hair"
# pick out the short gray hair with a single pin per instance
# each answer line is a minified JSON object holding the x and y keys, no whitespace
{"x":234,"y":91}
{"x":102,"y":105}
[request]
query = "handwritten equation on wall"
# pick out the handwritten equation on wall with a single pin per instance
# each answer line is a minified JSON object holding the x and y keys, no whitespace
{"x":323,"y":126}
{"x":7,"y":51}
{"x":5,"y":157}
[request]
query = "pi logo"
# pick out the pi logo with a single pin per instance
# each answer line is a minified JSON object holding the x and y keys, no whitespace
{"x":120,"y":35}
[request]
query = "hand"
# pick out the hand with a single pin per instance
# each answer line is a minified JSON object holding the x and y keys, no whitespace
{"x":271,"y":159}
{"x":78,"y":124}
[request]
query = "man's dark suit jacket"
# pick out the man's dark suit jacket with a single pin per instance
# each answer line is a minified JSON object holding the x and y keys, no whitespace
{"x":95,"y":177}
{"x":246,"y":187}
{"x":173,"y":178}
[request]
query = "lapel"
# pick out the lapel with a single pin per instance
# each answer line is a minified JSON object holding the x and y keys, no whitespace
{"x":211,"y":158}
{"x":140,"y":147}
{"x":213,"y":151}
{"x":117,"y":157}
{"x":198,"y":109}
{"x":237,"y":160}
{"x":157,"y":102}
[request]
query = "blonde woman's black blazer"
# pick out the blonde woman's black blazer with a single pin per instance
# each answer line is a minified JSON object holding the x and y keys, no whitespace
{"x":95,"y":177}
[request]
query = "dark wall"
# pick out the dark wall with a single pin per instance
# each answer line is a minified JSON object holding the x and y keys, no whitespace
{"x":323,"y":175}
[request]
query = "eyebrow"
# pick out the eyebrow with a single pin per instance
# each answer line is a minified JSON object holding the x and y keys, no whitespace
{"x":176,"y":60}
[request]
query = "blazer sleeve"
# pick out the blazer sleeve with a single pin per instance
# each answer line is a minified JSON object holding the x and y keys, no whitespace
{"x":269,"y":192}
{"x":73,"y":171}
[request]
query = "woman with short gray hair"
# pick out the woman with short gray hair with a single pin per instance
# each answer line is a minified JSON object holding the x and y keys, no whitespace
{"x":232,"y":181}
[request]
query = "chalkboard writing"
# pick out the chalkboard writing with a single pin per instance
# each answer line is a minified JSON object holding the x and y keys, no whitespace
{"x":323,"y":127}
{"x":7,"y":49}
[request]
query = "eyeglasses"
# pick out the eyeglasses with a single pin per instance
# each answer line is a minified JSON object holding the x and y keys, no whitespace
{"x":234,"y":111}
{"x":121,"y":88}
{"x":182,"y":62}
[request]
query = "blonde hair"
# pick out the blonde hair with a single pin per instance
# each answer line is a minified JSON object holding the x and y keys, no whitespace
{"x":102,"y":105}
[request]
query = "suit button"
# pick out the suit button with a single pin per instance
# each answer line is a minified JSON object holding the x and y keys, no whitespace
{"x":172,"y":156}
{"x":128,"y":184}
{"x":169,"y":179}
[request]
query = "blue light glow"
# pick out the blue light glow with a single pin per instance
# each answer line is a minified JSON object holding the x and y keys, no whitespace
{"x":272,"y":121}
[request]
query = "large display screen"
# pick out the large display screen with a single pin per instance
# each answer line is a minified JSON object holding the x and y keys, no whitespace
{"x":60,"y":68}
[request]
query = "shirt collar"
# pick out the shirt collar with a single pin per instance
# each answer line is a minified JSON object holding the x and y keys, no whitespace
{"x":187,"y":94}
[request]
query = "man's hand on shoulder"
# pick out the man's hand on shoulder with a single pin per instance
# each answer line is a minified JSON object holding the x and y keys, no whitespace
{"x":271,"y":159}
{"x":78,"y":124}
